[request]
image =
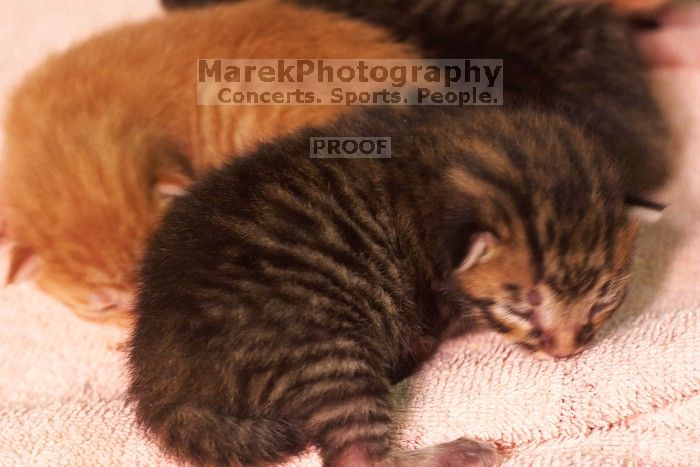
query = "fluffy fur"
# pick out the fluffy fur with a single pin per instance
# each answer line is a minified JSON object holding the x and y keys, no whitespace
{"x":284,"y":295}
{"x":101,"y":136}
{"x":577,"y":57}
{"x":275,"y":313}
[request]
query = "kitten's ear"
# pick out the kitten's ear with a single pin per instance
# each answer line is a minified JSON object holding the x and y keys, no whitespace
{"x":479,"y":249}
{"x":644,"y":210}
{"x":24,"y":264}
{"x":173,"y":174}
{"x":171,"y":184}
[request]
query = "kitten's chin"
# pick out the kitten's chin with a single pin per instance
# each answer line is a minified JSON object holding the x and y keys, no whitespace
{"x":540,"y":354}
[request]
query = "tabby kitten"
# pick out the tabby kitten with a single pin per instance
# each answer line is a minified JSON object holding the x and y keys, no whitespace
{"x":575,"y":57}
{"x":281,"y":297}
{"x":276,"y":313}
{"x":101,"y":137}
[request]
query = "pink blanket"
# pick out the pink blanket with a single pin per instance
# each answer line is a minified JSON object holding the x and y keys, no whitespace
{"x":633,"y":399}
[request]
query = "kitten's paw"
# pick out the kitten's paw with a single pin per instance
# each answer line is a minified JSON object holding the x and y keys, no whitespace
{"x":466,"y":452}
{"x":461,"y":452}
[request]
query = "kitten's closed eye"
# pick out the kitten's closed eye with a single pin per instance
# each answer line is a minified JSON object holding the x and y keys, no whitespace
{"x":599,"y":307}
{"x":644,"y":210}
{"x":586,"y":335}
{"x":602,"y":308}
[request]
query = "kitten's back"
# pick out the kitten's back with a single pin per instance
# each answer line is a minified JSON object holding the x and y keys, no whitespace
{"x":273,"y":312}
{"x":577,"y":57}
{"x":96,"y":132}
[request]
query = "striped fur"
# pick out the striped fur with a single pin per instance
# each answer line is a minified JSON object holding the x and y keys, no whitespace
{"x":279,"y":299}
{"x":573,"y":56}
{"x":577,"y":58}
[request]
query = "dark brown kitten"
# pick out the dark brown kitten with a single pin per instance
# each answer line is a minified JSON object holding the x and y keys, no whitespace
{"x":576,"y":57}
{"x":281,"y":296}
{"x":284,"y":295}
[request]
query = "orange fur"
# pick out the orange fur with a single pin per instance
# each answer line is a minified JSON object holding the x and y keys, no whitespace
{"x":94,"y":133}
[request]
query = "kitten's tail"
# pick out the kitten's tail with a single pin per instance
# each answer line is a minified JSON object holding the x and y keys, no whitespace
{"x":210,"y":438}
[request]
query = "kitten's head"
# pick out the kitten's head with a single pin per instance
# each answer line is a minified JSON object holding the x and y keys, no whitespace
{"x":540,"y":238}
{"x":80,"y":211}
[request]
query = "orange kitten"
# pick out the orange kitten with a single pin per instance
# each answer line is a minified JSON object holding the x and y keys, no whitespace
{"x":102,"y":136}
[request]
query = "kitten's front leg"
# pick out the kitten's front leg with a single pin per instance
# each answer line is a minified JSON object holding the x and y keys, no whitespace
{"x":460,"y":452}
{"x":349,"y":416}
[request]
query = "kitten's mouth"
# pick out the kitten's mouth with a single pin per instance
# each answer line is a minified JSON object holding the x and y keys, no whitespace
{"x":561,"y":356}
{"x":541,"y":354}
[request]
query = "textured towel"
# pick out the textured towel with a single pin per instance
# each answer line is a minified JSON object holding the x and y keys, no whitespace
{"x":633,"y":399}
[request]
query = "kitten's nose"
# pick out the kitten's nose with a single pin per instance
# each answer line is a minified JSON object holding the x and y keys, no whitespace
{"x":560,"y":343}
